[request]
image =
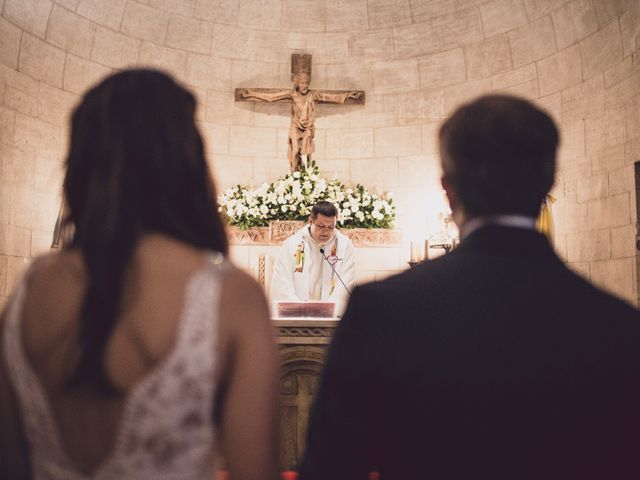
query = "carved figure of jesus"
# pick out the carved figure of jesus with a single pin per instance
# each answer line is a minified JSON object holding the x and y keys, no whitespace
{"x":303,"y":100}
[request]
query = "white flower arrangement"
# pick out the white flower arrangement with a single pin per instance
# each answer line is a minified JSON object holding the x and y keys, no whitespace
{"x":291,"y":198}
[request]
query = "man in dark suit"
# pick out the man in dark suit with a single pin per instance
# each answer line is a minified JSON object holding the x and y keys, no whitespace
{"x":494,"y":361}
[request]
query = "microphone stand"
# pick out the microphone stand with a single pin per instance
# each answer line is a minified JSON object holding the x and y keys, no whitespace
{"x":334,"y":271}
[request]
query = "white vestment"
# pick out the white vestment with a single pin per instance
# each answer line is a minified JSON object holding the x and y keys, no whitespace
{"x":312,"y":278}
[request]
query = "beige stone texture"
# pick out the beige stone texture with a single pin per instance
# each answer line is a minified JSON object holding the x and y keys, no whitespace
{"x":415,"y":40}
{"x":613,"y":211}
{"x":351,"y":77}
{"x":108,"y":14}
{"x":268,"y":169}
{"x":430,"y":137}
{"x":15,"y":241}
{"x":189,"y":34}
{"x":529,"y":90}
{"x":256,"y":141}
{"x":79,"y":73}
{"x":606,"y":158}
{"x":220,"y":108}
{"x":601,"y":50}
{"x":16,"y":266}
{"x":621,"y":180}
{"x":332,"y":116}
{"x":582,"y":269}
{"x":218,"y":11}
{"x":276,"y":115}
{"x":456,"y":95}
{"x":606,"y":130}
{"x":68,"y":4}
{"x":40,"y":242}
{"x":593,"y":188}
{"x":55,"y":105}
{"x":209,"y":72}
{"x":49,"y":173}
{"x":32,"y":209}
{"x":229,"y":171}
{"x":42,"y":138}
{"x":216,"y":138}
{"x":375,"y":173}
{"x":233,"y":42}
{"x":7,"y":126}
{"x":395,"y":77}
{"x":376,"y":113}
{"x":21,"y":102}
{"x":181,"y":7}
{"x":630,"y":29}
{"x":552,"y":104}
{"x":397,"y":141}
{"x":115,"y":49}
{"x":423,"y":10}
{"x":170,"y":60}
{"x":263,"y":15}
{"x":540,"y":8}
{"x":618,"y":73}
{"x":609,"y":9}
{"x":632,"y":151}
{"x":532,"y":42}
{"x":461,"y":28}
{"x":16,"y":166}
{"x":569,"y":217}
{"x":500,"y":16}
{"x":370,"y":47}
{"x":5,"y":202}
{"x":488,"y":58}
{"x":256,"y":74}
{"x":560,"y":71}
{"x":515,"y":77}
{"x":336,"y":168}
{"x":10,"y":36}
{"x":388,"y":13}
{"x":574,"y":21}
{"x":623,"y":243}
{"x":29,"y":15}
{"x":326,"y":48}
{"x":442,"y":69}
{"x":303,"y":16}
{"x":146,"y":23}
{"x":272,"y":46}
{"x":41,"y":60}
{"x":623,"y":92}
{"x":70,"y":32}
{"x":421,"y":106}
{"x":632,"y":110}
{"x":3,"y":281}
{"x":350,"y":143}
{"x":595,"y":245}
{"x":615,"y":276}
{"x":585,"y":100}
{"x":341,"y":16}
{"x":419,"y":170}
{"x":572,"y":140}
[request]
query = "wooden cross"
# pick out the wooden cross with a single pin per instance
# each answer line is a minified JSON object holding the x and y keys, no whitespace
{"x":303,"y":100}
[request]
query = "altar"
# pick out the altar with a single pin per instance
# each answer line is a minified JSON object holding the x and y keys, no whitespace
{"x":302,"y":346}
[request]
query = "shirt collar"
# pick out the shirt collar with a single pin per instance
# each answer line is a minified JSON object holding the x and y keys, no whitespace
{"x":513,"y":221}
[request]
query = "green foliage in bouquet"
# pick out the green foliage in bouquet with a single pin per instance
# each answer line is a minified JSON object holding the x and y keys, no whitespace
{"x":291,"y":198}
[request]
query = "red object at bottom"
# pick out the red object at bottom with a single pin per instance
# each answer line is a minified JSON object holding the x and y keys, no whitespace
{"x":289,"y":475}
{"x":374,"y":476}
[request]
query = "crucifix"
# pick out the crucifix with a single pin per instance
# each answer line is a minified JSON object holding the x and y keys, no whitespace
{"x":303,"y":100}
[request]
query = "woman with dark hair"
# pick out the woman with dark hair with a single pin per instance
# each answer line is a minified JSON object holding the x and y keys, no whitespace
{"x":138,"y":350}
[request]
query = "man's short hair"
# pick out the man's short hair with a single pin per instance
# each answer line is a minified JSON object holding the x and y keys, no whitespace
{"x":325,"y":208}
{"x":499,"y":153}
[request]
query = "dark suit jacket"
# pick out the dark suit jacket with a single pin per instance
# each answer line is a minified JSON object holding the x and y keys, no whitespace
{"x":494,"y":361}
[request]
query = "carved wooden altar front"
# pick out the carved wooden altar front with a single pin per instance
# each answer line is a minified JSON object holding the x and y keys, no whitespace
{"x":302,"y":345}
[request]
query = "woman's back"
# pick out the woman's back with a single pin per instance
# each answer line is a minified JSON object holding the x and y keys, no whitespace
{"x":165,"y":357}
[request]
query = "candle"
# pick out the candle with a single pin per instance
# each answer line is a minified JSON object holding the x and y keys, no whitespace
{"x":426,"y":249}
{"x":414,"y":252}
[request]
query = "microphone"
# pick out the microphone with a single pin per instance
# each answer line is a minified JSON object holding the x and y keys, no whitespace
{"x":334,"y":271}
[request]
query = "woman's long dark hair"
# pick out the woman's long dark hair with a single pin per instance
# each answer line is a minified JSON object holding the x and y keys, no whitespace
{"x":136,"y":165}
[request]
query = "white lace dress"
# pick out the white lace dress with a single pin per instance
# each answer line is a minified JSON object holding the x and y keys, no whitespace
{"x":165,"y":429}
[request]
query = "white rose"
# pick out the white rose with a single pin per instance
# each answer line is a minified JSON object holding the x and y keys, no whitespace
{"x":283,"y":208}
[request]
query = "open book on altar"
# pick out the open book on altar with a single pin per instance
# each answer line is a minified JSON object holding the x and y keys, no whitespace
{"x":304,"y":309}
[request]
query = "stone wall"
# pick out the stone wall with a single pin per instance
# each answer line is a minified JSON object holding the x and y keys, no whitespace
{"x":416,"y":59}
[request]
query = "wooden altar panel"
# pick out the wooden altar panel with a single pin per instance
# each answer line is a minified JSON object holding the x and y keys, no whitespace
{"x":302,"y":354}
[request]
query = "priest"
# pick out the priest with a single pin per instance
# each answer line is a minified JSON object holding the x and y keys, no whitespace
{"x":316,"y":262}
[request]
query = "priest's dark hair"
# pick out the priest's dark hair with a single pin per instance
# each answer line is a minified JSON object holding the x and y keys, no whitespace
{"x":325,"y":208}
{"x":136,"y":165}
{"x":499,"y":154}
